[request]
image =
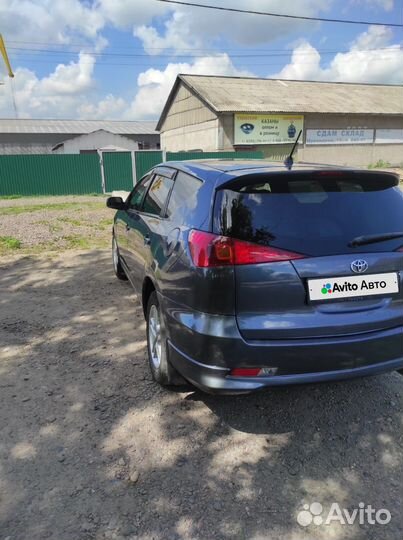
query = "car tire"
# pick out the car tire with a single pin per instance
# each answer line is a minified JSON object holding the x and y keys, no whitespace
{"x":161,"y":370}
{"x":117,"y":265}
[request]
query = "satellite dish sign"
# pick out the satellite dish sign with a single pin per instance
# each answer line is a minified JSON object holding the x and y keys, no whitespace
{"x":247,"y":128}
{"x":267,"y":128}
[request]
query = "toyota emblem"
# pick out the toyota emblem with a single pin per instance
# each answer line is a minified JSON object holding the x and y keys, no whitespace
{"x":359,"y":266}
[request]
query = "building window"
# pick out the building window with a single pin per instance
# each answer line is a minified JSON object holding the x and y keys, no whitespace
{"x":144,"y":145}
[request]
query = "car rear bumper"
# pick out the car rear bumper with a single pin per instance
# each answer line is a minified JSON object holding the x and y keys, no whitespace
{"x":205,"y":348}
{"x":216,"y":380}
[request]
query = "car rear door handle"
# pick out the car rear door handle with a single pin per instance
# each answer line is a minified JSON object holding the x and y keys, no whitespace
{"x":147,"y":241}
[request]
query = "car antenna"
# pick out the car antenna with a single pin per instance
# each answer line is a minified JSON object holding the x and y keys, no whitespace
{"x":289,"y":162}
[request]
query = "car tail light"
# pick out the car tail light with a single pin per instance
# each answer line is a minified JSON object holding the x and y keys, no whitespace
{"x":209,"y":250}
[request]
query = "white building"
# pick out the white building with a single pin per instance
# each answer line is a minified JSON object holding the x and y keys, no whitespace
{"x":28,"y":136}
{"x":97,"y":140}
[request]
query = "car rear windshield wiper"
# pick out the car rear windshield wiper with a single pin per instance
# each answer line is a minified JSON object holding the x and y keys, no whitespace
{"x":374,"y":238}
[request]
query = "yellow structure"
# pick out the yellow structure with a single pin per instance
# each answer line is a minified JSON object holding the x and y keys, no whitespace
{"x":5,"y":57}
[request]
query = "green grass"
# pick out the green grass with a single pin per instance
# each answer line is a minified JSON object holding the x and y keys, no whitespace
{"x":83,"y":242}
{"x":53,"y":247}
{"x":380,"y":164}
{"x":105,"y":224}
{"x":68,"y":224}
{"x":8,"y":243}
{"x":69,"y":242}
{"x":53,"y":227}
{"x":77,"y":242}
{"x":41,"y":195}
{"x":15,"y":210}
{"x":73,"y":221}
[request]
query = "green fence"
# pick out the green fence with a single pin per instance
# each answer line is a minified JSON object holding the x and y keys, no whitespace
{"x":118,"y":171}
{"x":76,"y":174}
{"x":146,"y":161}
{"x":50,"y":174}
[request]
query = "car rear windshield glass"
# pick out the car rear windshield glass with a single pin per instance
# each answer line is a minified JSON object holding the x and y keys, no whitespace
{"x":313,"y":215}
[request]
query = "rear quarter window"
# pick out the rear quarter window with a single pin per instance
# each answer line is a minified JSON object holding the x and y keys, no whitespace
{"x":157,"y":195}
{"x":184,"y":197}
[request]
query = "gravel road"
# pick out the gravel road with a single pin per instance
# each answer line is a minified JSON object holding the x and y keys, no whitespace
{"x":91,"y":448}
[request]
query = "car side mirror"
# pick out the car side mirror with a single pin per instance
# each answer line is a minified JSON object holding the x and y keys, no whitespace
{"x":116,"y":203}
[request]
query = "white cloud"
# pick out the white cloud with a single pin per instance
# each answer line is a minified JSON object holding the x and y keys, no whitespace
{"x":194,"y":27}
{"x":126,"y":14}
{"x":57,"y":95}
{"x":67,"y":92}
{"x":56,"y":21}
{"x":154,"y":43}
{"x":383,"y":65}
{"x":66,"y":21}
{"x":304,"y":65}
{"x":375,"y":36}
{"x":73,"y":78}
{"x":110,"y":107}
{"x":155,"y":85}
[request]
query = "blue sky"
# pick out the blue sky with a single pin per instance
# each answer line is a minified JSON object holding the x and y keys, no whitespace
{"x":109,"y":59}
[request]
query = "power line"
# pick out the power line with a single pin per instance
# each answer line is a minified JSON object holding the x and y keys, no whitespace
{"x":128,"y":47}
{"x":135,"y":64}
{"x":173,"y":55}
{"x":183,"y":50}
{"x":266,"y":13}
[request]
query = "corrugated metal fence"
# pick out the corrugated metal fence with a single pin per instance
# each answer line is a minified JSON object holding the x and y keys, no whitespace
{"x":118,"y":171}
{"x":77,"y":174}
{"x":146,"y":160}
{"x":50,"y":175}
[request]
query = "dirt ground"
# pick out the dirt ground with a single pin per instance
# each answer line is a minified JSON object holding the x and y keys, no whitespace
{"x":92,"y":448}
{"x":46,"y":224}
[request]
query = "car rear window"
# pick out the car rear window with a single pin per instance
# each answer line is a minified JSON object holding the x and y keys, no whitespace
{"x":312,"y":214}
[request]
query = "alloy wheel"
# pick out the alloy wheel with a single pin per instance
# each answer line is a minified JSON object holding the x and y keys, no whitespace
{"x":154,"y":336}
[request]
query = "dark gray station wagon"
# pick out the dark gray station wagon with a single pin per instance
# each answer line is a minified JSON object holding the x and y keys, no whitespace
{"x":252,"y":275}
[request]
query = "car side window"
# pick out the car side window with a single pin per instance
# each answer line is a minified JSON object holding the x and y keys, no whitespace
{"x":157,"y":195}
{"x":184,"y":195}
{"x":137,"y":195}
